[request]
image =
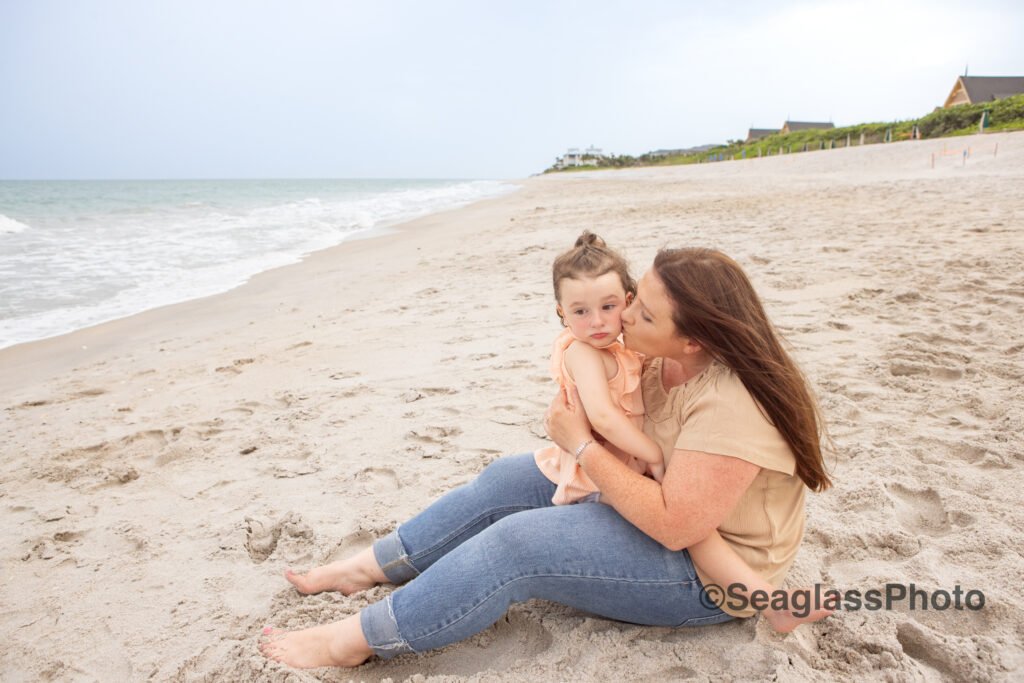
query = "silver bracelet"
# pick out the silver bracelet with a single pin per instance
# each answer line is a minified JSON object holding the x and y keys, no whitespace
{"x":579,"y":451}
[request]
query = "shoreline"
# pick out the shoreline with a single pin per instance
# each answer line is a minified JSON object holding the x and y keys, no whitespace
{"x":144,"y":296}
{"x":17,"y":356}
{"x":158,"y":483}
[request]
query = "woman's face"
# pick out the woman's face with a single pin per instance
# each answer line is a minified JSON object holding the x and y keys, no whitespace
{"x":647,"y":325}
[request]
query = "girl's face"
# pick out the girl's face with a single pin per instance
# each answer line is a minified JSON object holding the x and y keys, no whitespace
{"x":592,"y":308}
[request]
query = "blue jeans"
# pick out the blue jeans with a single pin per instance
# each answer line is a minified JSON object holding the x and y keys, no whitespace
{"x":499,"y":540}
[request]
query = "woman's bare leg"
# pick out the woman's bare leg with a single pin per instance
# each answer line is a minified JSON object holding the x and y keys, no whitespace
{"x":339,"y":644}
{"x":357,"y":573}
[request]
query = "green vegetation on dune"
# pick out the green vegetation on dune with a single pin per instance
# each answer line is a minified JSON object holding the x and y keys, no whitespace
{"x":1004,"y":114}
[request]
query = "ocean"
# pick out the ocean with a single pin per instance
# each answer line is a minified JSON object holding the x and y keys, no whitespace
{"x":79,"y":253}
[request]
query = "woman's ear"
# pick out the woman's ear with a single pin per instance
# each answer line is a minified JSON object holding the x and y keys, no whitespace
{"x":629,"y":298}
{"x":692,"y":346}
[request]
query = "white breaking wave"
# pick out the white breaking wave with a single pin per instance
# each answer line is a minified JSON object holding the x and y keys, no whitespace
{"x":11,"y":226}
{"x":96,"y":259}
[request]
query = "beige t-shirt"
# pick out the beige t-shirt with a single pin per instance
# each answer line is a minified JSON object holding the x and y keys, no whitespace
{"x":714,"y":413}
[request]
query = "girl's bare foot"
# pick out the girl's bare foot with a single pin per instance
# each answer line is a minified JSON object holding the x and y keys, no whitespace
{"x":339,"y":644}
{"x":358,"y":573}
{"x":801,"y":611}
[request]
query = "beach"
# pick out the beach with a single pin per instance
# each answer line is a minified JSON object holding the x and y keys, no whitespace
{"x":160,"y":472}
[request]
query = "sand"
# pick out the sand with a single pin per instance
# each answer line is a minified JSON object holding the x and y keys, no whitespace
{"x":160,"y":472}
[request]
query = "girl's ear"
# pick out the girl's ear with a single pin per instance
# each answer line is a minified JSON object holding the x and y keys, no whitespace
{"x":561,"y":316}
{"x":629,"y":298}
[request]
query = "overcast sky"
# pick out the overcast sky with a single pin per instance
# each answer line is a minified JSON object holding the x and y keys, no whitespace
{"x":439,"y":89}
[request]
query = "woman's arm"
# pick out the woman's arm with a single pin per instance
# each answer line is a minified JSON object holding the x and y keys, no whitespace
{"x":698,"y":492}
{"x":587,"y":369}
{"x":725,"y":567}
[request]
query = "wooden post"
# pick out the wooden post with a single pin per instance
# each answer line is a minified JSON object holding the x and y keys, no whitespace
{"x":862,"y":137}
{"x":847,"y":139}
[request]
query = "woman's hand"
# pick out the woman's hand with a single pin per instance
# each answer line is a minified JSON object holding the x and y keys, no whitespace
{"x":566,"y":422}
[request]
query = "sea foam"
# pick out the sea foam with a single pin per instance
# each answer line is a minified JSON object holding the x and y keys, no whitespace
{"x":10,"y":226}
{"x":101,"y":250}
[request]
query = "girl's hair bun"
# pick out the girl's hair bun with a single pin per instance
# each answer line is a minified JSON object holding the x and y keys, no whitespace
{"x":588,"y":238}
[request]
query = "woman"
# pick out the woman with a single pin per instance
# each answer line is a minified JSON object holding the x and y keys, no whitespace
{"x":741,"y":438}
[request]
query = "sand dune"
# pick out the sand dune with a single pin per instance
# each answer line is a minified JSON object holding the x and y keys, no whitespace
{"x":160,"y":472}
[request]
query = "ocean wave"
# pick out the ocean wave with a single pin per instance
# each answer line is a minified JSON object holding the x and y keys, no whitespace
{"x":9,"y":226}
{"x":109,"y":263}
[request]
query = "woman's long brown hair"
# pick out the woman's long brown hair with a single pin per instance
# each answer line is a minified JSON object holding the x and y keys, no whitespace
{"x":717,"y":307}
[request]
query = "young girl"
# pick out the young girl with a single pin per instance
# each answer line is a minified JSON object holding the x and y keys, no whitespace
{"x":592,"y":287}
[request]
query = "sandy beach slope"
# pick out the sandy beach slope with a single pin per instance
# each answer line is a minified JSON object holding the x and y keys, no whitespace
{"x":159,"y":473}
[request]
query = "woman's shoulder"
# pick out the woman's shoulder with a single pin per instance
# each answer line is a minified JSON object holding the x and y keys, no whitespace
{"x":720,"y":388}
{"x":708,"y":383}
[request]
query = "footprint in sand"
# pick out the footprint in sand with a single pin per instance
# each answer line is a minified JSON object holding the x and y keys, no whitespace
{"x":88,"y":467}
{"x":377,"y":478}
{"x":289,"y":537}
{"x":58,"y":545}
{"x":433,"y":434}
{"x":160,"y":446}
{"x":920,"y":512}
{"x":517,"y":635}
{"x":946,"y":655}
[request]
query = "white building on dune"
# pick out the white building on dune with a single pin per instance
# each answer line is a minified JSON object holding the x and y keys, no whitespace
{"x":574,"y":157}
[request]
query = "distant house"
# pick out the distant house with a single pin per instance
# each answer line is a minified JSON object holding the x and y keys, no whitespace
{"x":574,"y":157}
{"x":974,"y":89}
{"x":793,"y":126}
{"x":758,"y":133}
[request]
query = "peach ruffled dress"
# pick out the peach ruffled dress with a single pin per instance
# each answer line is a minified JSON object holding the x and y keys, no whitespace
{"x":558,"y":465}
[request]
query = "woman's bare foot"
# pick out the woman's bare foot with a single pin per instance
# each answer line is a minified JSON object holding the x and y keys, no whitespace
{"x":339,"y":644}
{"x":358,"y":573}
{"x":801,"y":603}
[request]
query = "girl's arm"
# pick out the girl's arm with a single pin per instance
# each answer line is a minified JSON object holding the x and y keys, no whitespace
{"x":698,"y":493}
{"x":586,"y":366}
